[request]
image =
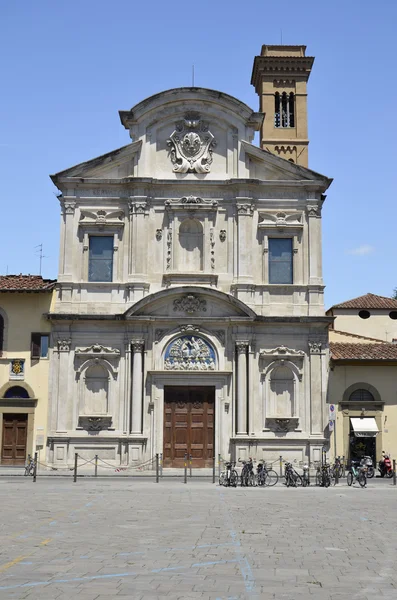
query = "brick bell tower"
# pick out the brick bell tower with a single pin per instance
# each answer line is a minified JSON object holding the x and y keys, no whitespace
{"x":280,"y":75}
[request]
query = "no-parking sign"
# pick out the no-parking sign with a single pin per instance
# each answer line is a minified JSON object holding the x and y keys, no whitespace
{"x":332,"y":412}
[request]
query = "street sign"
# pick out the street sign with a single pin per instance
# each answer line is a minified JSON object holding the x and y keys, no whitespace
{"x":332,"y":412}
{"x":331,"y":425}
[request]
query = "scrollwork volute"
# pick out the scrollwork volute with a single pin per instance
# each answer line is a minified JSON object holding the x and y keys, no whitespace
{"x":191,"y":145}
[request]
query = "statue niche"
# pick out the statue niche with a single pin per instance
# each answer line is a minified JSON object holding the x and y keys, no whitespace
{"x":96,"y":391}
{"x":190,"y":249}
{"x":282,"y":391}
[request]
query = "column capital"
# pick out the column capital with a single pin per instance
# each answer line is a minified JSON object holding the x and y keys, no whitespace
{"x":315,"y":347}
{"x":137,"y":345}
{"x":314,"y":210}
{"x":241,"y":346}
{"x":64,"y":345}
{"x":245,"y":209}
{"x":69,"y":207}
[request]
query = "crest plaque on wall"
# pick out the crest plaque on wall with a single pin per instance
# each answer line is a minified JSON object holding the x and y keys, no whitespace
{"x":189,"y":353}
{"x":191,"y":145}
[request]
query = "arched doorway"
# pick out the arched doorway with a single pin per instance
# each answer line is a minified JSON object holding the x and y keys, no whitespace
{"x":14,"y":430}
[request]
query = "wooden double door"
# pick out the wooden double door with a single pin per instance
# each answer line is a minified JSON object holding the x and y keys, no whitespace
{"x":13,"y":448}
{"x":189,"y":417}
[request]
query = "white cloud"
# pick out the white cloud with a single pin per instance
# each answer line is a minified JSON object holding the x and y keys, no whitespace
{"x":362,"y":250}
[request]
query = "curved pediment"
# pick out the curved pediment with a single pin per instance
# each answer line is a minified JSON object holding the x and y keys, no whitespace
{"x":191,"y":301}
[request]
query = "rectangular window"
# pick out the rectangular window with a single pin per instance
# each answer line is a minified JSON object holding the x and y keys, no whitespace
{"x":280,"y":260}
{"x":39,"y":345}
{"x":100,"y":263}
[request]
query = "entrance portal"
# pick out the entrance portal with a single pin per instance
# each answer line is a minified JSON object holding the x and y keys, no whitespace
{"x":189,"y":415}
{"x":14,"y":439}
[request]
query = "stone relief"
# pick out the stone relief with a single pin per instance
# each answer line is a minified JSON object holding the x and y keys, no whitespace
{"x":282,"y":424}
{"x":190,"y":304}
{"x":97,"y":350}
{"x":189,"y":353}
{"x":191,"y":145}
{"x":69,"y":207}
{"x":159,"y":234}
{"x":194,"y":328}
{"x":245,"y":209}
{"x":169,"y":251}
{"x":280,"y":219}
{"x":95,"y":424}
{"x":222,"y":235}
{"x":101,"y":217}
{"x":212,"y":251}
{"x":314,"y":210}
{"x":191,"y":203}
{"x":281,"y":351}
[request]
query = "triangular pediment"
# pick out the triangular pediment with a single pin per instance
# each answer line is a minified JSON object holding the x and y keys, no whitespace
{"x":113,"y":165}
{"x":192,"y":301}
{"x":268,"y":167}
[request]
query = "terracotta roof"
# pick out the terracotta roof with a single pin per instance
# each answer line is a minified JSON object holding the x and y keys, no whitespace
{"x":26,"y":283}
{"x":340,"y":351}
{"x":368,"y":301}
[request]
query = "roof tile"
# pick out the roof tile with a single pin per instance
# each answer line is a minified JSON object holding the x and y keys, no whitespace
{"x":368,"y":301}
{"x":26,"y":283}
{"x":341,"y":351}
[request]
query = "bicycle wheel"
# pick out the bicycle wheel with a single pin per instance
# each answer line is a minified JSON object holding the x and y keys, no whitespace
{"x":26,"y":470}
{"x":298,"y":480}
{"x":271,"y":478}
{"x":390,"y":473}
{"x":318,"y":479}
{"x":349,"y":478}
{"x":222,"y":478}
{"x":326,"y":480}
{"x":362,"y":480}
{"x":251,"y":479}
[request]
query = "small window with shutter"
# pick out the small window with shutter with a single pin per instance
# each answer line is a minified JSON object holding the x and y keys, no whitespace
{"x":39,"y":345}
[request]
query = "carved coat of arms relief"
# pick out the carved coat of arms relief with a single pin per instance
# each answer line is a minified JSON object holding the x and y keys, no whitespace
{"x":191,"y":145}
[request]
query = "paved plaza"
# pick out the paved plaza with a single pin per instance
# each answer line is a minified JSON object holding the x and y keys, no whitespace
{"x":100,"y":539}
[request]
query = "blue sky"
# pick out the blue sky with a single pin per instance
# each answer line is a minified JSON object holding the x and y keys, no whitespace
{"x":69,"y":66}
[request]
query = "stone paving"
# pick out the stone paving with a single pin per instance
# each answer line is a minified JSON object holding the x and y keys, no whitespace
{"x":100,"y":539}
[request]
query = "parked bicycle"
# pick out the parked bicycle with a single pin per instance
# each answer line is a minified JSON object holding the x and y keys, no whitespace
{"x":323,"y":475}
{"x":264,"y":476}
{"x":337,"y":469}
{"x":357,"y":473}
{"x":229,"y":477}
{"x":247,"y":476}
{"x":29,"y":468}
{"x":292,"y":478}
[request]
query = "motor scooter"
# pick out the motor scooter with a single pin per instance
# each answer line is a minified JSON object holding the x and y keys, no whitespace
{"x":385,"y":466}
{"x":366,"y":461}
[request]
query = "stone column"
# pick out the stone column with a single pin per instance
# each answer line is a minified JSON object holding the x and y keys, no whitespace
{"x":315,"y":250}
{"x":66,"y":270}
{"x":241,"y":387}
{"x":139,"y":209}
{"x":62,"y":401}
{"x":137,"y":387}
{"x":245,"y":211}
{"x":316,"y":397}
{"x":127,"y":389}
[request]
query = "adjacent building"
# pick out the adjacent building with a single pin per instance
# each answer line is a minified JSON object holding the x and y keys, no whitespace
{"x":25,"y":301}
{"x":363,"y":376}
{"x":189,"y":314}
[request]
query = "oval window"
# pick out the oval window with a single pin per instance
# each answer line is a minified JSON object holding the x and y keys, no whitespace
{"x":393,"y":314}
{"x":364,"y":314}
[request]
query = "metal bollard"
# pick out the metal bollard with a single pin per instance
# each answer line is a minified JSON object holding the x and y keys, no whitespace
{"x":281,"y":466}
{"x":343,"y":466}
{"x":75,"y":467}
{"x":213,"y":469}
{"x":157,"y":468}
{"x":394,"y":472}
{"x":219,"y":466}
{"x":190,"y":465}
{"x":35,"y":468}
{"x":185,"y":474}
{"x":336,"y":474}
{"x":161,"y":464}
{"x":96,"y":466}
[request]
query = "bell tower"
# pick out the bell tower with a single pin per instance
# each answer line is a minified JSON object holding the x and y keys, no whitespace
{"x":280,"y":75}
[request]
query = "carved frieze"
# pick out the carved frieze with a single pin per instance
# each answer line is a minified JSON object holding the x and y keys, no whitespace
{"x":281,"y":352}
{"x":159,"y":234}
{"x":169,"y":251}
{"x":190,"y":304}
{"x":191,"y":145}
{"x":192,"y":328}
{"x":98,"y":350}
{"x":190,"y":203}
{"x":222,"y":235}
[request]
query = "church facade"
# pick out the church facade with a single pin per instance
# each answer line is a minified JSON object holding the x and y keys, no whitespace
{"x":189,"y":313}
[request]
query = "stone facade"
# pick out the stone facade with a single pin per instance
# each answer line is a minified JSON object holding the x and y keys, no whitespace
{"x":191,"y":207}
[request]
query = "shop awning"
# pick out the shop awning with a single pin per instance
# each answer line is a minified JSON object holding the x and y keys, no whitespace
{"x":365,"y":427}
